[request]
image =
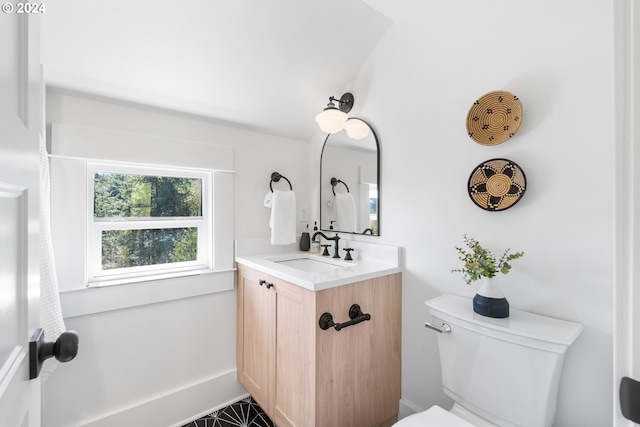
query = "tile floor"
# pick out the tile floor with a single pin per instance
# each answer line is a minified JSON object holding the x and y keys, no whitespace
{"x":245,"y":413}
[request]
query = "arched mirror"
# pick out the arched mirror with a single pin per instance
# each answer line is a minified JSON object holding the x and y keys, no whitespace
{"x":349,"y":180}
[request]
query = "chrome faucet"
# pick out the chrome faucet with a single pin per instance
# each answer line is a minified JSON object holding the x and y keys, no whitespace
{"x":335,"y":238}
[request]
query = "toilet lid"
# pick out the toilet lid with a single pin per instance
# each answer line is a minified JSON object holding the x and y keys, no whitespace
{"x":433,"y":417}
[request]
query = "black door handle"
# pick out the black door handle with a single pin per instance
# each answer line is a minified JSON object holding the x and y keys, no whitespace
{"x":630,"y":399}
{"x":64,"y":349}
{"x":264,"y":282}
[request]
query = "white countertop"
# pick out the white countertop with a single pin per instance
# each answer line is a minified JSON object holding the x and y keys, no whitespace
{"x":345,"y":272}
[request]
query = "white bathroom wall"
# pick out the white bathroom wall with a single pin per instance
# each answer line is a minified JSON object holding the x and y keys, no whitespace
{"x":164,"y":362}
{"x":416,"y":89}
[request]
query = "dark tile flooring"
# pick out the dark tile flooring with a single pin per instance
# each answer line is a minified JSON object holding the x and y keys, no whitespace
{"x":245,"y":413}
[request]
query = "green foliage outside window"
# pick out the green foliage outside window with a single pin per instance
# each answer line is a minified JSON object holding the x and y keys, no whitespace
{"x":133,"y":248}
{"x":122,"y":196}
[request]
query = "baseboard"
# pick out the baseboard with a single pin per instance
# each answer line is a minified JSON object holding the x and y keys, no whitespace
{"x":408,"y":408}
{"x":179,"y":406}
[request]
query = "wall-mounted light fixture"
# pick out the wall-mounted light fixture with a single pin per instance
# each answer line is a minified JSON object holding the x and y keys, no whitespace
{"x":332,"y":119}
{"x":356,"y":129}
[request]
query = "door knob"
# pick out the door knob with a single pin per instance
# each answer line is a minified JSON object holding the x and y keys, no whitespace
{"x":64,"y":349}
{"x":630,"y":399}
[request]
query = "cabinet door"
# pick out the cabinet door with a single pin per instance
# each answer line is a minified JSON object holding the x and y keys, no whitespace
{"x":294,"y":391}
{"x":358,"y":367}
{"x":256,"y":335}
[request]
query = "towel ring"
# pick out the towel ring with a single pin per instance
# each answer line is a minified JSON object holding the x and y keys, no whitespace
{"x":275,"y":177}
{"x":336,"y":181}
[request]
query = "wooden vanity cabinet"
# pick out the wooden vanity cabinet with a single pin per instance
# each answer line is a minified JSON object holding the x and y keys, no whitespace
{"x":304,"y":376}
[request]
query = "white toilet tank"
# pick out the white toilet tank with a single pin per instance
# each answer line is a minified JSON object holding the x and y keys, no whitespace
{"x":504,"y":370}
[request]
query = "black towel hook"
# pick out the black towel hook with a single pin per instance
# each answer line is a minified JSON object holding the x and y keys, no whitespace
{"x":275,"y":177}
{"x":336,"y":181}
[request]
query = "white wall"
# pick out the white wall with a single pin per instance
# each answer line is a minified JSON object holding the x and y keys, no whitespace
{"x":416,"y":89}
{"x":162,"y":362}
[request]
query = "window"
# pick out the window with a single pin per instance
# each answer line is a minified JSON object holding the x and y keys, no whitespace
{"x":144,"y":222}
{"x":373,"y":208}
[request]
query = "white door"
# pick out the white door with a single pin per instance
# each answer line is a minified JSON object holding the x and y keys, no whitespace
{"x":627,"y":292}
{"x":631,"y":327}
{"x":20,"y":125}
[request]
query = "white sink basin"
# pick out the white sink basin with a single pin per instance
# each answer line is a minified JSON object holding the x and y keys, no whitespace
{"x":311,"y":264}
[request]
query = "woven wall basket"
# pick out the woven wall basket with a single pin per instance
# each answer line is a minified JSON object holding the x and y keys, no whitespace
{"x":496,"y":184}
{"x":494,"y":117}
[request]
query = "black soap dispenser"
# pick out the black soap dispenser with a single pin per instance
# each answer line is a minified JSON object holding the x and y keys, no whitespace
{"x":305,"y":240}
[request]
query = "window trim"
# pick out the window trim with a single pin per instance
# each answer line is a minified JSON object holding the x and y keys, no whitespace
{"x":96,"y":276}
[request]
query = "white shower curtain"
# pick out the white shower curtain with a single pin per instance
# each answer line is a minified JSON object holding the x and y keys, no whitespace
{"x":50,"y":311}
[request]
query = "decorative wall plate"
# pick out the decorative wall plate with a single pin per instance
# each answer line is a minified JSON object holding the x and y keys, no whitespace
{"x":496,"y":184}
{"x":494,"y":117}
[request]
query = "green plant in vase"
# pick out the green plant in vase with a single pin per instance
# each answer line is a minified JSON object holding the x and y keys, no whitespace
{"x":480,"y":262}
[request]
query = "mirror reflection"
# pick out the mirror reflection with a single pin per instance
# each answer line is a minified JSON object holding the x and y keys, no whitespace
{"x":349,"y":174}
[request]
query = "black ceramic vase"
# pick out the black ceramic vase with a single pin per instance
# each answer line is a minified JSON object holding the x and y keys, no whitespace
{"x":490,"y":301}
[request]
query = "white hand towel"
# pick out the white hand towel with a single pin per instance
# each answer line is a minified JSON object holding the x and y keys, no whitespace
{"x":51,"y":319}
{"x":283,"y":216}
{"x":344,"y":210}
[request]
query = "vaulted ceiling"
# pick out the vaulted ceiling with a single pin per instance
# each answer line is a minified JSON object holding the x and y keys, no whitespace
{"x":269,"y":65}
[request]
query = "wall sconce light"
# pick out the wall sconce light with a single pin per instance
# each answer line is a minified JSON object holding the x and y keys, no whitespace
{"x":356,"y":129}
{"x":332,"y":119}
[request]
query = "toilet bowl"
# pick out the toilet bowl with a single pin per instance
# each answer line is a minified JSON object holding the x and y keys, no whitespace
{"x":433,"y":417}
{"x":436,"y":416}
{"x":499,"y":372}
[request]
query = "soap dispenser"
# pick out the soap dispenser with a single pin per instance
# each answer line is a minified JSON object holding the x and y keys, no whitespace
{"x":305,"y":240}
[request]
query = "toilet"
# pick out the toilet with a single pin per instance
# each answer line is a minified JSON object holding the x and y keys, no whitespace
{"x":499,"y":372}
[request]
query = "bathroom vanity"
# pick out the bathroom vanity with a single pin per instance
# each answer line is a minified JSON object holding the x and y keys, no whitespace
{"x":301,"y":374}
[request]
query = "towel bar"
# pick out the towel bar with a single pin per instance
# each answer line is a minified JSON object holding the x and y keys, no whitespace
{"x":275,"y":177}
{"x":336,"y":181}
{"x":355,"y":314}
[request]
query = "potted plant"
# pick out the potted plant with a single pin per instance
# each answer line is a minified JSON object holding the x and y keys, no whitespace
{"x":481,"y":263}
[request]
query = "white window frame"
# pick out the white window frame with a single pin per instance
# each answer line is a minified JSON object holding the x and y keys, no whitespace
{"x":96,"y":276}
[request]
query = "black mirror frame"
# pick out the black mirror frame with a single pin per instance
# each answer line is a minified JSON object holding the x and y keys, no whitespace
{"x":375,"y":137}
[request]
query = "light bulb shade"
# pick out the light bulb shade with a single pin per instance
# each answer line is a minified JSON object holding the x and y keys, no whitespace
{"x":356,"y":129}
{"x":331,"y":120}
